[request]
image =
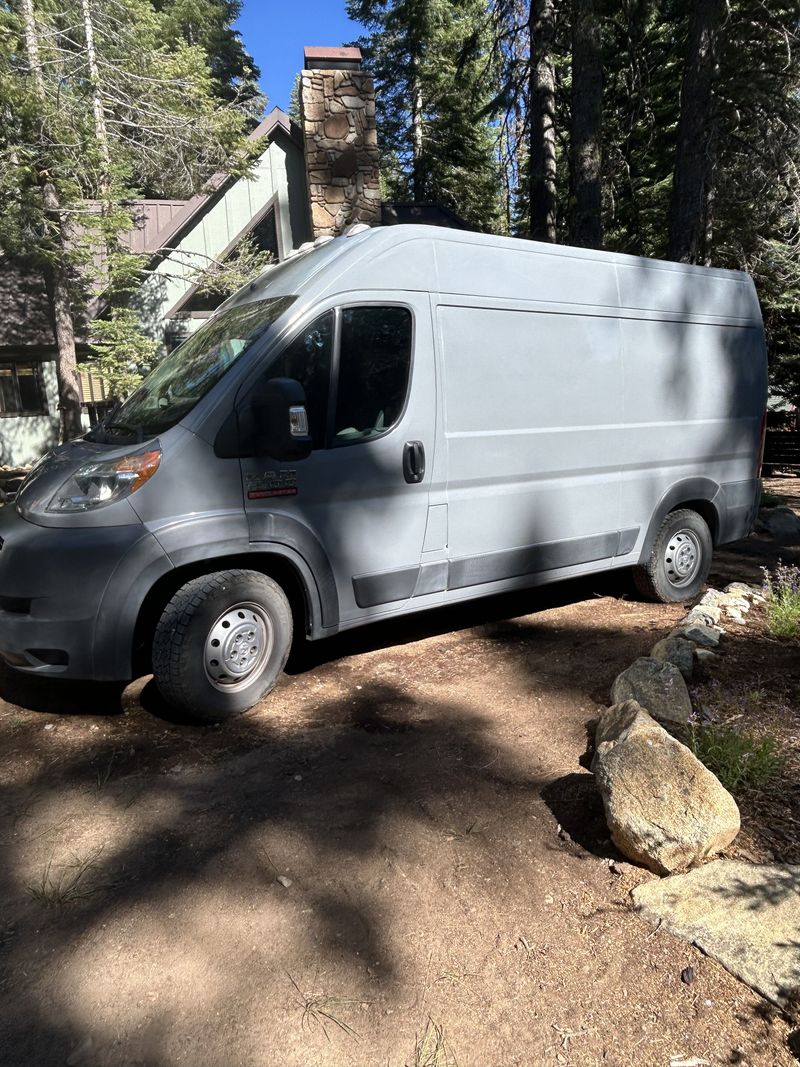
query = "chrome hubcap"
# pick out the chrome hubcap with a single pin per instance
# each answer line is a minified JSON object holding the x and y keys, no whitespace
{"x":237,"y":647}
{"x":682,"y":557}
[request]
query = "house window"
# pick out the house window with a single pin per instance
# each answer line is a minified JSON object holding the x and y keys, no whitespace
{"x":21,"y":389}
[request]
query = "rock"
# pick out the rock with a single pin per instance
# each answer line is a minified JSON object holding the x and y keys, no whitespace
{"x":707,"y":636}
{"x":658,"y":687}
{"x":742,"y":589}
{"x":737,"y":603}
{"x":706,"y":615}
{"x":615,"y":720}
{"x":676,"y":650}
{"x":744,"y":916}
{"x":711,"y":596}
{"x":781,"y":523}
{"x":285,"y":882}
{"x":664,"y":809}
{"x":704,"y":656}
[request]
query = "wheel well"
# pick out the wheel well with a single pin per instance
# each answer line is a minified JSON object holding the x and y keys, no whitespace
{"x":275,"y":567}
{"x":706,"y":510}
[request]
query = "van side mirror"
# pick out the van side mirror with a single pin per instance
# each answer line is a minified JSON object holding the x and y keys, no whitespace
{"x":281,"y":421}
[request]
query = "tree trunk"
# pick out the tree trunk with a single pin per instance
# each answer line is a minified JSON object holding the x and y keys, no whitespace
{"x":694,"y":158}
{"x":69,"y":396}
{"x":56,"y":275}
{"x":586,"y":227}
{"x":541,"y":108}
{"x":100,"y":130}
{"x":416,"y":132}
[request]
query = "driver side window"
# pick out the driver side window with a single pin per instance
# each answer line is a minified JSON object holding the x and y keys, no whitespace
{"x":308,"y":361}
{"x":374,"y":368}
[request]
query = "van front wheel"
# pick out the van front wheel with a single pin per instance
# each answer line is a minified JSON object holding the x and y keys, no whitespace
{"x":221,"y":643}
{"x":679,"y":561}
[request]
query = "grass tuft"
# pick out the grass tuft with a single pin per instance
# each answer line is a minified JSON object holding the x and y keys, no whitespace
{"x":320,"y":1009}
{"x":432,"y":1049}
{"x":740,"y":760}
{"x":69,"y":882}
{"x":782,"y":590}
{"x":103,"y":774}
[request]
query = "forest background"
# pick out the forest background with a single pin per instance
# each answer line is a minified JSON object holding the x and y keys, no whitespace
{"x":666,"y":128}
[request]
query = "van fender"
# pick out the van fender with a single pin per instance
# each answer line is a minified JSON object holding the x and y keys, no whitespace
{"x":216,"y":541}
{"x":685,"y":492}
{"x":225,"y":535}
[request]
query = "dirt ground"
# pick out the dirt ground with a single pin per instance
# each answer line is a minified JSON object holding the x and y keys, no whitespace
{"x":398,"y":859}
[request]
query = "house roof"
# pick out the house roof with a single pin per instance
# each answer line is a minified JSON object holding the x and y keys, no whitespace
{"x":277,"y":122}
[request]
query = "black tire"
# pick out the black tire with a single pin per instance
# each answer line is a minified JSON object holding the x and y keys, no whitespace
{"x":679,"y":561}
{"x":252,"y":617}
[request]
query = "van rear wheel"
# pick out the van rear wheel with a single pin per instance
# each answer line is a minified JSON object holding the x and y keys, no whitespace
{"x":221,"y":643}
{"x":679,"y":561}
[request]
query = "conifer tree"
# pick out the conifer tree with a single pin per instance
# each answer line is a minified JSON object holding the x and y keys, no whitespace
{"x":434,"y":80}
{"x":94,"y":106}
{"x":209,"y":25}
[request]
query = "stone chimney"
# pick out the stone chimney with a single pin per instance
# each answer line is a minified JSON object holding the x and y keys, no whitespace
{"x":341,"y":141}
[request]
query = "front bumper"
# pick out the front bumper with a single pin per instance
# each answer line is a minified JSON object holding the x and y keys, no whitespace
{"x":69,"y":597}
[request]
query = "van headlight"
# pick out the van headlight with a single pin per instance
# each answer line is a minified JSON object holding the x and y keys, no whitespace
{"x":96,"y":484}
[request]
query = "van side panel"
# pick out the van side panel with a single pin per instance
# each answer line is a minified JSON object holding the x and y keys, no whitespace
{"x":693,"y":402}
{"x":531,"y":403}
{"x":517,"y":270}
{"x":688,"y":292}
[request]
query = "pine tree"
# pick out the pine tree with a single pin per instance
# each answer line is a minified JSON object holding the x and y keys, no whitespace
{"x":693,"y":183}
{"x":95,"y":105}
{"x":209,"y":25}
{"x":542,"y":121}
{"x":756,"y":204}
{"x":434,"y":80}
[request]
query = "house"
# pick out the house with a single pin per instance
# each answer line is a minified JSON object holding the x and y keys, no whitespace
{"x":310,"y":180}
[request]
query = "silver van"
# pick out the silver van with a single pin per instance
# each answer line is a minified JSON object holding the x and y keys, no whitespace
{"x":395,"y":420}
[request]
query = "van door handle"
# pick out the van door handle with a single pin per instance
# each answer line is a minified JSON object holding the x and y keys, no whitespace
{"x":414,"y":462}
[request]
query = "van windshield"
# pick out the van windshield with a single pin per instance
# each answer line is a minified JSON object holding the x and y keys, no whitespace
{"x":185,"y":376}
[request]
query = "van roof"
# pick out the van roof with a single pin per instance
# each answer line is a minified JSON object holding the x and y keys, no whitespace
{"x":461,"y":263}
{"x":402,"y":233}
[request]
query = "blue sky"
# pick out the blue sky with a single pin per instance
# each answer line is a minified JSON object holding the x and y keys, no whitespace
{"x":275,"y":34}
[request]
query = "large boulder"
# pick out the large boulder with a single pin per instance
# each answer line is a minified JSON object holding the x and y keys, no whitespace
{"x":675,"y":650}
{"x":664,"y":809}
{"x":657,"y":686}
